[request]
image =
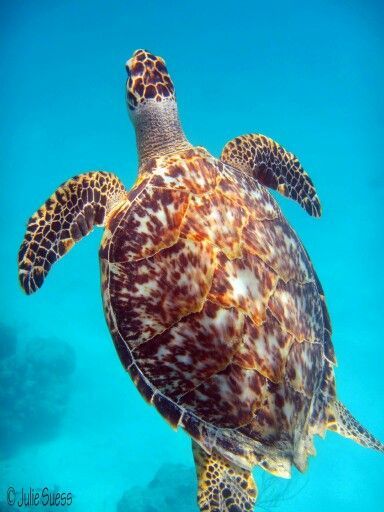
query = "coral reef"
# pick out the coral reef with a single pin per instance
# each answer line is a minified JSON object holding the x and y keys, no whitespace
{"x":35,"y":385}
{"x":172,"y":489}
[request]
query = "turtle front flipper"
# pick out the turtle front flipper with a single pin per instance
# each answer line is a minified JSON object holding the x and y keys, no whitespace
{"x":274,"y":167}
{"x":70,"y":213}
{"x":222,"y":486}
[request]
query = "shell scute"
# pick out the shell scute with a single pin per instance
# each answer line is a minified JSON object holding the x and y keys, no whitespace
{"x":281,"y":417}
{"x":245,"y":283}
{"x":208,"y":211}
{"x":265,"y":348}
{"x":192,"y":350}
{"x":229,"y":398}
{"x":245,"y":191}
{"x":304,"y":367}
{"x":190,"y":171}
{"x":277,"y":245}
{"x":149,"y":295}
{"x":297,"y":308}
{"x":153,"y":223}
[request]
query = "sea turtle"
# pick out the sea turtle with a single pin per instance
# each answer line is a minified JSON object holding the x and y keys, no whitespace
{"x":213,"y":304}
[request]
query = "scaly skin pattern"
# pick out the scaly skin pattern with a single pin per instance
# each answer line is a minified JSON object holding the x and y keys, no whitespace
{"x":222,"y":486}
{"x":216,"y":312}
{"x":149,"y":79}
{"x":68,"y":215}
{"x":274,"y":167}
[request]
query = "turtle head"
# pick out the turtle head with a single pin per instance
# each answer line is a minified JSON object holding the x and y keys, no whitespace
{"x":148,"y":80}
{"x":152,"y":106}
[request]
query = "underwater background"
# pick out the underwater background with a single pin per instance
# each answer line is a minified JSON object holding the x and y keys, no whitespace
{"x":309,"y":75}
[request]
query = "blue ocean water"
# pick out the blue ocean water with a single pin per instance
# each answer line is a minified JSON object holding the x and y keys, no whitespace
{"x":309,"y":75}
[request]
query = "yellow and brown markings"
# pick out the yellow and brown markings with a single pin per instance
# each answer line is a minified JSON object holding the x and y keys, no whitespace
{"x":148,"y":79}
{"x":304,"y":367}
{"x":281,"y":420}
{"x":119,"y":212}
{"x":222,"y":486}
{"x":264,"y":348}
{"x":277,"y":245}
{"x":322,"y":416}
{"x":242,"y":189}
{"x":190,"y":170}
{"x":297,"y":307}
{"x":281,"y":416}
{"x":153,"y":223}
{"x":68,"y":215}
{"x":274,"y":167}
{"x":327,"y":381}
{"x":192,"y":350}
{"x":245,"y":283}
{"x":229,"y":398}
{"x":151,"y":294}
{"x":329,"y":351}
{"x":207,"y":212}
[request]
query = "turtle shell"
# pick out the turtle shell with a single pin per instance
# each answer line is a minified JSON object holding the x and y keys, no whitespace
{"x":217,"y":313}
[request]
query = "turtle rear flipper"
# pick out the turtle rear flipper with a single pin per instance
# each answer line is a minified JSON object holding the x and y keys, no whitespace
{"x":69,"y":214}
{"x":222,"y":486}
{"x":346,"y":425}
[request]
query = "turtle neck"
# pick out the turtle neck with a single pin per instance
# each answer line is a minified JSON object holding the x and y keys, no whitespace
{"x":158,"y":129}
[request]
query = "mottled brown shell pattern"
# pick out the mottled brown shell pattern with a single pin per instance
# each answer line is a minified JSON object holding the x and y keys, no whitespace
{"x":216,"y":311}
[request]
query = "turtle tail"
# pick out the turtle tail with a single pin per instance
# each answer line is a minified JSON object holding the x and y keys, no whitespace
{"x":346,"y":425}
